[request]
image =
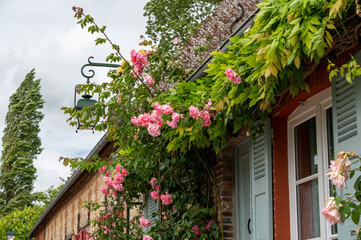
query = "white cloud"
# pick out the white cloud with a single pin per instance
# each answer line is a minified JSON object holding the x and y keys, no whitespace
{"x":43,"y":34}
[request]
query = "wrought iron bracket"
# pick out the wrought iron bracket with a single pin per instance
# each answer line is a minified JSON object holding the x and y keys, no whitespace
{"x":94,"y":64}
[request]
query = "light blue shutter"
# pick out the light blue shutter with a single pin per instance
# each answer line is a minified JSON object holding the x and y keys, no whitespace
{"x":151,"y":206}
{"x":346,"y":112}
{"x":261,"y":178}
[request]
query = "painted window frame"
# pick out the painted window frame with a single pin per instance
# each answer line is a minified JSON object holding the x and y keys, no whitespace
{"x":315,"y":106}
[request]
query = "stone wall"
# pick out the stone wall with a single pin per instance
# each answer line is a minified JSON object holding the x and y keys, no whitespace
{"x":218,"y":26}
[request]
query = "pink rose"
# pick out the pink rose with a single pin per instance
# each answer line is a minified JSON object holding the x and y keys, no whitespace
{"x":193,"y":112}
{"x":152,"y":181}
{"x":166,"y":199}
{"x":196,"y":230}
{"x":149,"y":80}
{"x":232,"y":76}
{"x":153,"y":130}
{"x":340,"y":168}
{"x":118,"y":187}
{"x":155,"y":195}
{"x":146,"y":237}
{"x":167,"y":109}
{"x":118,"y":178}
{"x":102,"y":169}
{"x":144,"y":222}
{"x":124,"y":172}
{"x":118,"y":167}
{"x":136,"y":121}
{"x":331,"y":211}
{"x":230,"y":73}
{"x":175,"y":209}
{"x":158,"y":108}
{"x":206,"y":119}
{"x":145,"y":119}
{"x":156,"y":117}
{"x":174,"y":123}
{"x":107,"y":180}
{"x":176,"y":41}
{"x":208,"y":225}
{"x":104,"y":190}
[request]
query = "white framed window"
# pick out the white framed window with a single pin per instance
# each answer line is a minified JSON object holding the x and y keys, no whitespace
{"x":310,"y":149}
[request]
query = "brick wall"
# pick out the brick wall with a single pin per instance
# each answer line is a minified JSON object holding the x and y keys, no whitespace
{"x":218,"y":27}
{"x":70,"y":218}
{"x":224,"y":172}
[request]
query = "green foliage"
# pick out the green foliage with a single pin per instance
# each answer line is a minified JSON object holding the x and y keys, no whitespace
{"x":270,"y":59}
{"x":31,"y":214}
{"x":349,"y":70}
{"x":168,"y":19}
{"x":21,"y":145}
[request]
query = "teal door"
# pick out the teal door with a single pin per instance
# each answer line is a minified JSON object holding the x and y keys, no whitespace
{"x":243,"y":186}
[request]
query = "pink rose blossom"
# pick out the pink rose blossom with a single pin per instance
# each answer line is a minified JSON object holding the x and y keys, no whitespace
{"x":156,"y":117}
{"x":145,"y":222}
{"x":208,"y":225}
{"x":153,"y":130}
{"x":176,"y":41}
{"x":331,"y":211}
{"x":206,"y":119}
{"x":149,"y":80}
{"x":147,"y":237}
{"x":136,"y":121}
{"x":118,"y":167}
{"x":152,"y":181}
{"x":175,"y":209}
{"x":167,"y":109}
{"x":104,"y":190}
{"x":340,"y":168}
{"x":232,"y":76}
{"x":107,"y":180}
{"x":102,"y":169}
{"x":118,"y":178}
{"x":114,"y":193}
{"x":174,"y":123}
{"x":140,"y":60}
{"x":155,"y":195}
{"x":230,"y":73}
{"x":166,"y":199}
{"x":145,"y":119}
{"x":124,"y":172}
{"x":107,"y":173}
{"x":196,"y":230}
{"x":158,"y":108}
{"x":194,"y":112}
{"x":118,"y":187}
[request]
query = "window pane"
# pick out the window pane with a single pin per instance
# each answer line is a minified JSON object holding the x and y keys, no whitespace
{"x":306,"y":149}
{"x":331,"y":155}
{"x":308,"y":210}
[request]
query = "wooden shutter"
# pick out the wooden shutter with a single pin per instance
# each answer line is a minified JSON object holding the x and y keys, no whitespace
{"x":151,"y":206}
{"x":346,"y":114}
{"x":261,"y":181}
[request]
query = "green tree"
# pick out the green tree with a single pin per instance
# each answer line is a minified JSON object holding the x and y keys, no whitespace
{"x":168,"y":19}
{"x":21,"y":145}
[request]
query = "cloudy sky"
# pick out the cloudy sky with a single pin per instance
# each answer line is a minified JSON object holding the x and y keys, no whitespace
{"x":43,"y":34}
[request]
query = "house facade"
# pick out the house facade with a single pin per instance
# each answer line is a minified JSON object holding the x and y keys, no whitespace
{"x":272,"y":186}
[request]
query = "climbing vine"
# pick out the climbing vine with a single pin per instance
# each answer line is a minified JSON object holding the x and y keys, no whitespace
{"x":164,"y":126}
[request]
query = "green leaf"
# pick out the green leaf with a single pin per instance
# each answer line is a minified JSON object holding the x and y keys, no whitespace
{"x":355,"y":216}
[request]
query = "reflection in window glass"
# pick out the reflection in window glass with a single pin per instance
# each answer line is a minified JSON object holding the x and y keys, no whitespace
{"x":306,"y":149}
{"x":308,"y":210}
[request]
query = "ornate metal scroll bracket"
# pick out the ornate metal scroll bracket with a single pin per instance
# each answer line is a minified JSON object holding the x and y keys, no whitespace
{"x":94,"y":64}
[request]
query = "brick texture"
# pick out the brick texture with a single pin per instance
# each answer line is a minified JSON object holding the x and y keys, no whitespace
{"x":218,"y":27}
